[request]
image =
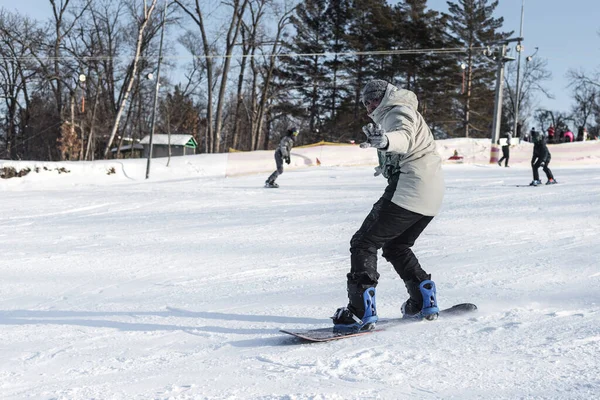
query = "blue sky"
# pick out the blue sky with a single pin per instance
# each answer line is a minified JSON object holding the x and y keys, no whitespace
{"x":565,"y":32}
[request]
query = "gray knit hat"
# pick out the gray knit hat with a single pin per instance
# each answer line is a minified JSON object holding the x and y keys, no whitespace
{"x":373,"y":90}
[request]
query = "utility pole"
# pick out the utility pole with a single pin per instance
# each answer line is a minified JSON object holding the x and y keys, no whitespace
{"x":518,"y":88}
{"x":501,"y":58}
{"x":152,"y":123}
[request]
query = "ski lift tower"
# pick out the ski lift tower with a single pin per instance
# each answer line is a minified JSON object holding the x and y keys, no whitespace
{"x":501,"y":58}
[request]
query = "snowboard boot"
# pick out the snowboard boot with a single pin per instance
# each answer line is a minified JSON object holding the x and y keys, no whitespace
{"x":361,"y":312}
{"x":551,"y":181}
{"x":269,"y":184}
{"x":422,"y":302}
{"x":535,"y":182}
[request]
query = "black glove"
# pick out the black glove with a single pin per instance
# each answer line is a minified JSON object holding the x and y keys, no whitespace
{"x":287,"y":159}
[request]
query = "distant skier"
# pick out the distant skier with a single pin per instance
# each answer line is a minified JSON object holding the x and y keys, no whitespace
{"x":412,"y":166}
{"x":551,"y":132}
{"x":568,"y":136}
{"x":541,"y":158}
{"x":282,"y":153}
{"x":505,"y":150}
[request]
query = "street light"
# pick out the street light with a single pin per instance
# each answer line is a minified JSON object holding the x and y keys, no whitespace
{"x":519,"y":49}
{"x":529,"y":58}
{"x":82,"y":79}
{"x":501,"y":59}
{"x":150,"y":76}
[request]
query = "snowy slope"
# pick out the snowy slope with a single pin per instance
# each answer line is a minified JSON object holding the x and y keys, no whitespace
{"x":176,"y":288}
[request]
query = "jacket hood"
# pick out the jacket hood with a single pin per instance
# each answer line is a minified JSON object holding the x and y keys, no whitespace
{"x":395,"y":97}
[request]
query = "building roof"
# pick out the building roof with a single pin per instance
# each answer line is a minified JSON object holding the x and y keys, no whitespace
{"x":176,"y":140}
{"x":127,"y":147}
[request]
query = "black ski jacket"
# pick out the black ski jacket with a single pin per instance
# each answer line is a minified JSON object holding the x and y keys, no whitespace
{"x":540,"y":150}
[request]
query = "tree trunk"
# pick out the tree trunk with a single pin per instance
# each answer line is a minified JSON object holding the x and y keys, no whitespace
{"x":238,"y":13}
{"x":138,"y":49}
{"x":92,"y":124}
{"x":198,"y":18}
{"x":263,"y":101}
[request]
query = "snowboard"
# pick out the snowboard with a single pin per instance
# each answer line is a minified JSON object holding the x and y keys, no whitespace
{"x":328,"y":334}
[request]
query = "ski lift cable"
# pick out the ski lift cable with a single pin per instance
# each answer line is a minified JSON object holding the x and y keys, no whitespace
{"x":281,"y":55}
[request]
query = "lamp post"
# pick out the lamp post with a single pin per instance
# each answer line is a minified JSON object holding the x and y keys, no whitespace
{"x":152,"y":123}
{"x":82,"y":78}
{"x":519,"y":49}
{"x":501,"y":59}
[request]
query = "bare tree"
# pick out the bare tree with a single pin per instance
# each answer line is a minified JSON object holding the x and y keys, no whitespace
{"x":197,"y":15}
{"x":535,"y":75}
{"x":143,"y":21}
{"x":17,"y":36}
{"x":239,"y":7}
{"x":592,"y":79}
{"x":586,"y":95}
{"x":558,"y":119}
{"x":253,"y":38}
{"x":55,"y":68}
{"x":284,"y":20}
{"x":214,"y":125}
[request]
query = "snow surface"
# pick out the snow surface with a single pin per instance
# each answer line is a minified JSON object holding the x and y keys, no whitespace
{"x":116,"y":287}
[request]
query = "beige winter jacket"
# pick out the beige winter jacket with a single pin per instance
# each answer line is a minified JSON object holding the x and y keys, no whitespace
{"x":411,"y":151}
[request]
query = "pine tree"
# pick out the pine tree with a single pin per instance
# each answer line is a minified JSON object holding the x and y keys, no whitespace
{"x":370,"y":30}
{"x":472,"y":23}
{"x":337,"y":16}
{"x":433,"y":76}
{"x":308,"y":72}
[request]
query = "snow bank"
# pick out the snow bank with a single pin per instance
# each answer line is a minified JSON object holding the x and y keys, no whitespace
{"x":477,"y":151}
{"x":473,"y":151}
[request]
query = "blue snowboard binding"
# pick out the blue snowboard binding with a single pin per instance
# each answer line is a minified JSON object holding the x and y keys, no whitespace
{"x":345,"y":320}
{"x":429,"y":308}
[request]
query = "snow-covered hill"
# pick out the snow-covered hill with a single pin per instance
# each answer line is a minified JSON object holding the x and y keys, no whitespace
{"x":473,"y":151}
{"x":117,"y":287}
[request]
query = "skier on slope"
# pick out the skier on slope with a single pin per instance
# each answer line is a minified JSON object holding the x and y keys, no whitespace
{"x":541,"y":158}
{"x":409,"y":161}
{"x":505,"y":150}
{"x":282,"y":153}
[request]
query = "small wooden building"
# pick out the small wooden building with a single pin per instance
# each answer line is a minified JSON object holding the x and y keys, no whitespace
{"x":181,"y":145}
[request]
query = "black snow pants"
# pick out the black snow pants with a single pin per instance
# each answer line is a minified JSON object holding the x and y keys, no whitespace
{"x":537,"y":163}
{"x":505,"y":155}
{"x":279,"y":170}
{"x":394,"y":229}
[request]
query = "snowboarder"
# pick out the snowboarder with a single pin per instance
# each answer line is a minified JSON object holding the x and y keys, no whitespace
{"x":505,"y":150}
{"x":282,"y":154}
{"x":408,"y":159}
{"x":541,"y":158}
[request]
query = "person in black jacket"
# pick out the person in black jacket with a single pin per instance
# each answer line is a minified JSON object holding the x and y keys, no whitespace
{"x":505,"y":150}
{"x":541,"y":158}
{"x":282,"y":154}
